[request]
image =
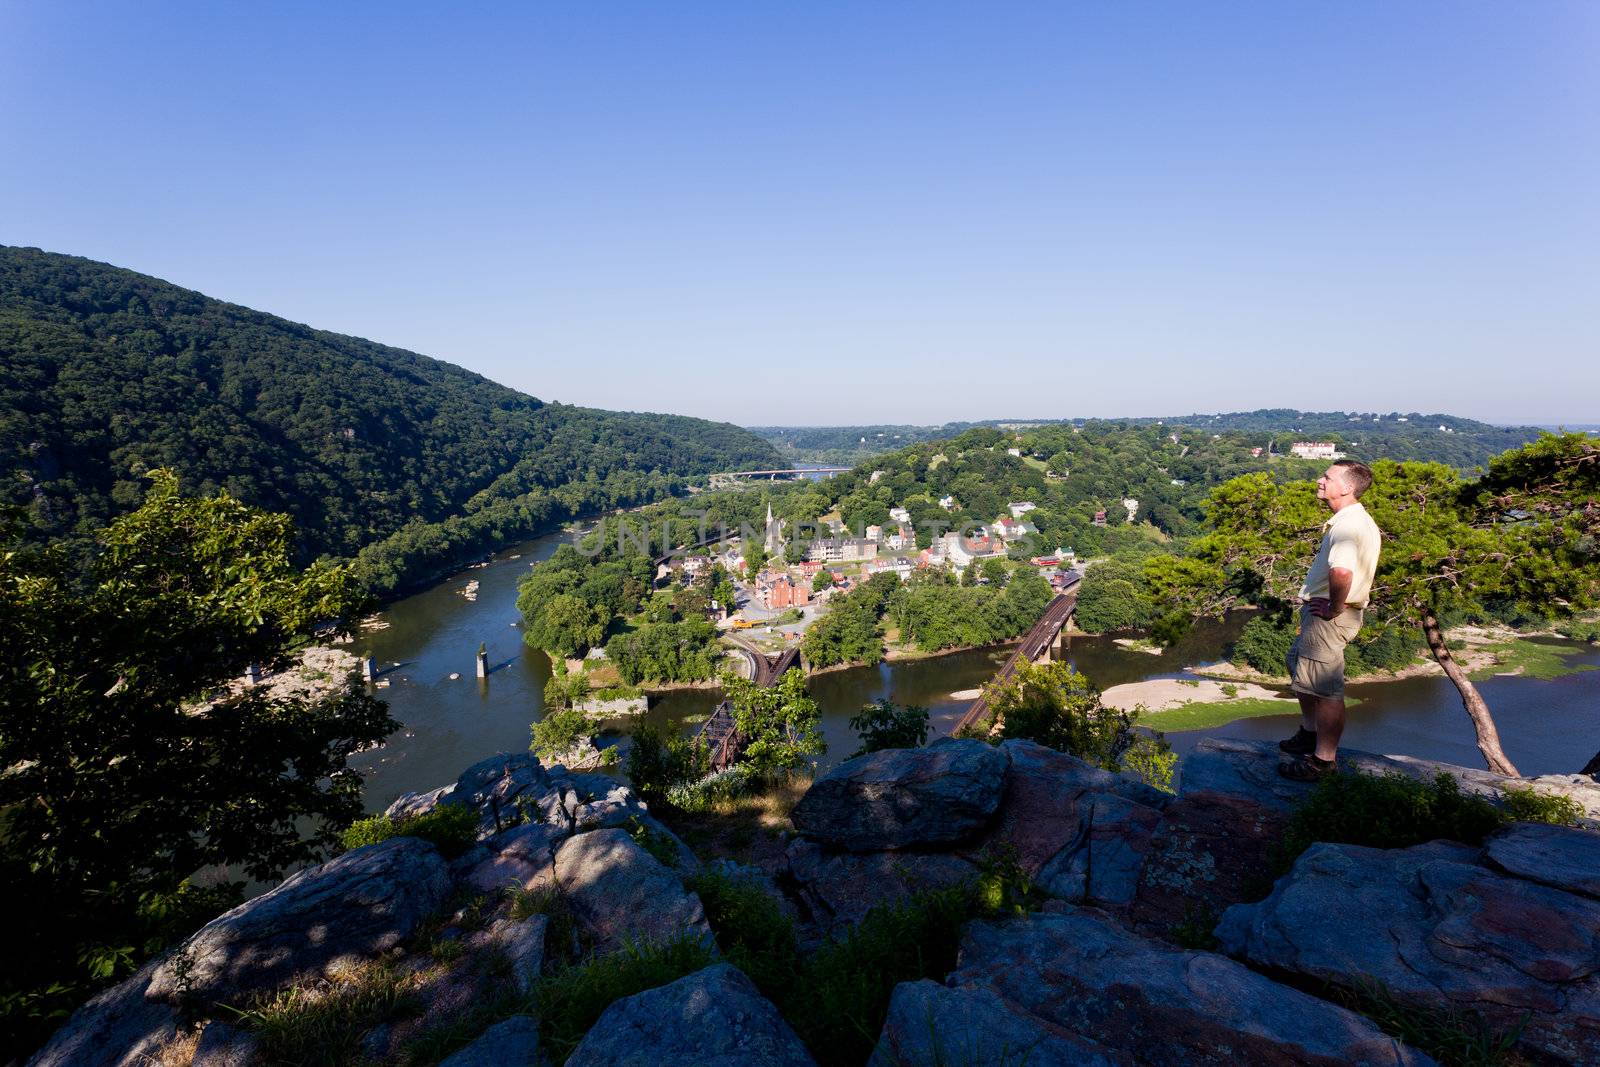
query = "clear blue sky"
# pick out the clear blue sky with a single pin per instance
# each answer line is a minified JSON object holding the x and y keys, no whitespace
{"x":831,"y":213}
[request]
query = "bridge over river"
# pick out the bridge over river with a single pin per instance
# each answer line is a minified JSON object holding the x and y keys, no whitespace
{"x":1035,"y":648}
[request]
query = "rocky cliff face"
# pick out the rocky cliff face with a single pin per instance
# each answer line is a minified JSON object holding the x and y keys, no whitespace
{"x":1509,"y":931}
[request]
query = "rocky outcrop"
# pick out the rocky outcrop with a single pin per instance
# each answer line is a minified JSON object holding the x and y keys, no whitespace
{"x":352,"y":908}
{"x":1075,"y":976}
{"x":118,"y":1028}
{"x":712,"y":1018}
{"x":1248,"y":769}
{"x":933,"y":1025}
{"x":1437,"y":930}
{"x":900,"y":798}
{"x":620,"y":893}
{"x":1558,"y":856}
{"x":511,"y":1043}
{"x":837,"y":889}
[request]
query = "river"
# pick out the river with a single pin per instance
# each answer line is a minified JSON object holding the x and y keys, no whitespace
{"x":1546,"y":726}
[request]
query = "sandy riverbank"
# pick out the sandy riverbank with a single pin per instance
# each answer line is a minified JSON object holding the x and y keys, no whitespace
{"x":1164,"y":694}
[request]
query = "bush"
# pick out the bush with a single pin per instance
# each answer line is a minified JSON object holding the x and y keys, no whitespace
{"x":660,"y":762}
{"x":451,"y":828}
{"x":730,"y":783}
{"x":1263,"y":644}
{"x":320,"y":1021}
{"x":884,"y":725}
{"x":1387,"y":811}
{"x":1529,"y":805}
{"x":751,"y":927}
{"x":559,"y":732}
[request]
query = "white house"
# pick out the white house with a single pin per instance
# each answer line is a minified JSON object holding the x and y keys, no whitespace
{"x":900,"y":515}
{"x":948,"y":502}
{"x":1021,"y":508}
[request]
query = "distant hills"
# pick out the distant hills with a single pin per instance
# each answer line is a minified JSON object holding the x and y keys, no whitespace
{"x":106,"y":373}
{"x":1463,"y":443}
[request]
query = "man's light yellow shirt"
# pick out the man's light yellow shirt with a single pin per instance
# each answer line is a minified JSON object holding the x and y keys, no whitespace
{"x":1350,"y":540}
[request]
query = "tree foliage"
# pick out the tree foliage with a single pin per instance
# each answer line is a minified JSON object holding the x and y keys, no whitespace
{"x":883,"y":724}
{"x":129,"y":764}
{"x":780,"y":724}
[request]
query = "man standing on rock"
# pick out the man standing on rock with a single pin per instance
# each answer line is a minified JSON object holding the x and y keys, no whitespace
{"x":1331,"y":602}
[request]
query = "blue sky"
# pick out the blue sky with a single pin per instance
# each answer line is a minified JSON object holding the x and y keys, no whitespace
{"x":838,"y":213}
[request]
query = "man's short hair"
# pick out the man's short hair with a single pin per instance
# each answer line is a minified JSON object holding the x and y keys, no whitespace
{"x":1357,"y":474}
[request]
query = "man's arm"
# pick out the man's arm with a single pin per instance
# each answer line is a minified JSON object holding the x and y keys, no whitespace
{"x":1339,"y":579}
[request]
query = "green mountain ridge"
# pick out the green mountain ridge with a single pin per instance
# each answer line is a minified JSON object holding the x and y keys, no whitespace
{"x":1460,"y":442}
{"x":108,"y":373}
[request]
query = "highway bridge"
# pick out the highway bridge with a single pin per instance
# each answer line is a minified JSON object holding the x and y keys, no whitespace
{"x":724,"y":477}
{"x":1035,"y":648}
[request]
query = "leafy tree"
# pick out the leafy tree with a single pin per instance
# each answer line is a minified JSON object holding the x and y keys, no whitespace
{"x":780,"y":724}
{"x":666,"y":652}
{"x":561,"y":730}
{"x":130,"y":762}
{"x":1524,"y":536}
{"x":1113,"y":596}
{"x":822,"y":581}
{"x":882,"y":724}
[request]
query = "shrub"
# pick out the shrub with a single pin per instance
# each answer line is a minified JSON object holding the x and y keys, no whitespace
{"x":884,"y":725}
{"x":451,"y":828}
{"x":719,"y":787}
{"x":1059,"y":708}
{"x":1264,"y":644}
{"x":559,"y":732}
{"x":660,"y":762}
{"x":751,"y":927}
{"x":1389,"y":649}
{"x":1387,"y":811}
{"x":1529,"y":805}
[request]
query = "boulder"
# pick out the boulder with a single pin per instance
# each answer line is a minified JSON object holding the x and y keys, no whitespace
{"x":621,"y":893}
{"x":1209,"y":851}
{"x":1044,"y":809}
{"x":523,"y":857}
{"x":712,"y":1018}
{"x":353,"y":907}
{"x":521,"y":942}
{"x":513,"y":1042}
{"x":1439,"y":932}
{"x":222,"y":1045}
{"x":930,"y":1025}
{"x":839,"y":888}
{"x":898,"y":798}
{"x":504,"y":790}
{"x":1559,"y":856}
{"x":1103,"y":865}
{"x":119,"y":1027}
{"x":1077,"y":971}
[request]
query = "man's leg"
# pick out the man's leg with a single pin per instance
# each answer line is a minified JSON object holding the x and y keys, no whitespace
{"x":1308,"y":712}
{"x":1329,"y":718}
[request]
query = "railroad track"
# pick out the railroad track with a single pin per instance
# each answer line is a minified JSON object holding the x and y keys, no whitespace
{"x":1040,"y":637}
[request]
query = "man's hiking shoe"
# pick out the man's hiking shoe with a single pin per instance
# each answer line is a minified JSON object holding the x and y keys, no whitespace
{"x":1303,"y":743}
{"x":1307,"y":768}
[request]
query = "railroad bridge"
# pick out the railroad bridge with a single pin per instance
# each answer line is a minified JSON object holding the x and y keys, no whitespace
{"x":1041,"y":644}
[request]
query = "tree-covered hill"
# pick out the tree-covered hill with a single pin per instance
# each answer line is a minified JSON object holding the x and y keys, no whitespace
{"x":1463,"y":443}
{"x":106,"y":373}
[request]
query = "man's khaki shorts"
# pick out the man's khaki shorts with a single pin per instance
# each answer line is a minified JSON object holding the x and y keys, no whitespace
{"x":1316,"y":659}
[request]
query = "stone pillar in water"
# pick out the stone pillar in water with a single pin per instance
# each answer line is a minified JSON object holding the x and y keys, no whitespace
{"x":369,"y":669}
{"x":483,"y":661}
{"x":252,"y":674}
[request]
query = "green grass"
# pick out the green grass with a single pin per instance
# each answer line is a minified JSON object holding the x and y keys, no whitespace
{"x":1200,"y":715}
{"x":320,"y":1023}
{"x":1386,"y":811}
{"x":1532,"y":659}
{"x":1454,"y":1037}
{"x":451,"y":828}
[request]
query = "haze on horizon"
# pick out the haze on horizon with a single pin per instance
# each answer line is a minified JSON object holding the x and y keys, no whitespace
{"x":852,"y":214}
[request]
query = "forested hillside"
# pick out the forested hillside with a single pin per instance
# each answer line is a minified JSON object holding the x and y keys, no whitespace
{"x":105,"y":373}
{"x":1462,"y":443}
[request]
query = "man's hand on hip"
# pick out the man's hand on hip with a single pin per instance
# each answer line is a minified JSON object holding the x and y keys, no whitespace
{"x":1323,"y":608}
